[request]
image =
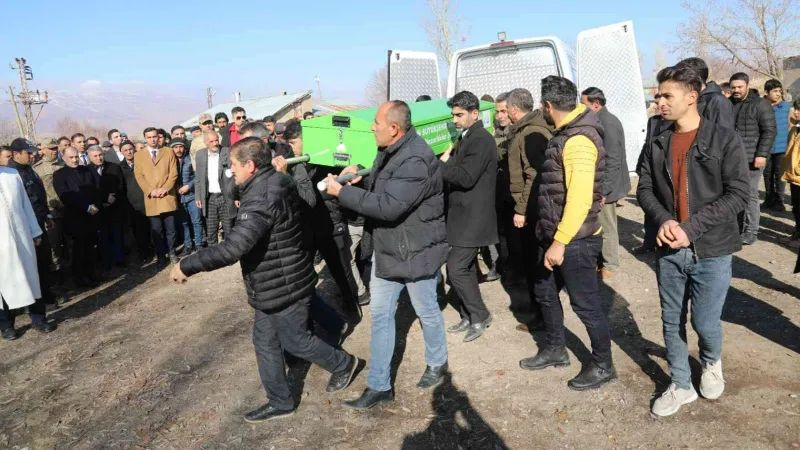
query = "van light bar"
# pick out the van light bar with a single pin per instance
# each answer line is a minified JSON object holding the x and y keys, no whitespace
{"x":503,"y":44}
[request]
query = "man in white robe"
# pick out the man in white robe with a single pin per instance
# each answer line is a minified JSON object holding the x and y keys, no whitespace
{"x":19,"y":234}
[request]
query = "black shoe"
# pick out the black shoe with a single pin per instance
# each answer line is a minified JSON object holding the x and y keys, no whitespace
{"x":778,"y":206}
{"x":82,"y":282}
{"x":460,"y":327}
{"x":43,"y":327}
{"x":161,"y":264}
{"x":433,"y":376}
{"x":341,"y":379}
{"x":642,"y":250}
{"x":173,"y":258}
{"x":749,"y":239}
{"x":9,"y":334}
{"x":593,"y":376}
{"x":265,"y":413}
{"x":364,"y":299}
{"x":547,"y":357}
{"x":476,"y":329}
{"x":491,"y":276}
{"x":370,"y":399}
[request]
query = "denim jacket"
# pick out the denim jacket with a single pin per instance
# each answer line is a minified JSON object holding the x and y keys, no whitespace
{"x":186,"y":176}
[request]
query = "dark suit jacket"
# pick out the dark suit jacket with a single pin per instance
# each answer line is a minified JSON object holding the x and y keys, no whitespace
{"x":471,"y":178}
{"x":225,"y":182}
{"x":133,"y":193}
{"x":617,"y":180}
{"x":112,"y":182}
{"x":111,"y":156}
{"x":78,"y":188}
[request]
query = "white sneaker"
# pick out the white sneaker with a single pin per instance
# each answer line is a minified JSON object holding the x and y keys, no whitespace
{"x":672,"y":399}
{"x":711,"y":382}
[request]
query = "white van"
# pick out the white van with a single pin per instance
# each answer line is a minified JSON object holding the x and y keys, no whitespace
{"x":606,"y":58}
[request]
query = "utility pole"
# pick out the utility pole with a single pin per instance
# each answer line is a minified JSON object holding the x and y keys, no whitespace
{"x":16,"y":111}
{"x":210,"y":96}
{"x":28,"y":98}
{"x":319,"y":89}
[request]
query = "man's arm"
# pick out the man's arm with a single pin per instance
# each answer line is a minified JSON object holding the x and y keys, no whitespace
{"x":305,"y":187}
{"x":614,"y":144}
{"x":767,"y":129}
{"x":245,"y":234}
{"x":172,"y":175}
{"x":471,"y":165}
{"x":735,"y":188}
{"x":644,"y":190}
{"x":403,"y":192}
{"x":30,"y":216}
{"x":140,"y":176}
{"x":580,"y":159}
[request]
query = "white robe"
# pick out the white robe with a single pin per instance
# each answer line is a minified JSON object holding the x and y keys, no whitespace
{"x":19,"y":276}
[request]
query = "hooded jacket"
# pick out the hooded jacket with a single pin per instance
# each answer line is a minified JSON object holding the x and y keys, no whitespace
{"x":528,"y":139}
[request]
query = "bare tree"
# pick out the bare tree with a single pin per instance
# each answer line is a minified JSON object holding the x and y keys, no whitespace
{"x":8,"y":131}
{"x":445,"y":28}
{"x":67,"y":126}
{"x":750,"y":34}
{"x":377,"y":89}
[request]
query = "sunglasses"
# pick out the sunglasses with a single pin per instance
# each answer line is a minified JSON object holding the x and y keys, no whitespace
{"x":240,"y":118}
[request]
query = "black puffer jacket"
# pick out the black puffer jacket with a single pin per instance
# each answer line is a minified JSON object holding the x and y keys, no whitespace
{"x":326,"y":216}
{"x":267,"y":239}
{"x":34,"y":188}
{"x":754,"y":120}
{"x":714,"y":107}
{"x":404,"y":208}
{"x":718,"y":185}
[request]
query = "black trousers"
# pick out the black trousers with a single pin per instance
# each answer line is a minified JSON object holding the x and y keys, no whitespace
{"x":140,"y":226}
{"x":43,"y":262}
{"x":795,"y":191}
{"x":160,"y":226}
{"x":36,"y":311}
{"x":578,"y":273}
{"x":287,"y":329}
{"x":461,"y":272}
{"x":83,"y":254}
{"x":335,"y":250}
{"x":773,"y":184}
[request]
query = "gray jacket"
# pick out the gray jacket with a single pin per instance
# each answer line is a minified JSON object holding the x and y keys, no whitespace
{"x":226,"y":182}
{"x":617,"y":181}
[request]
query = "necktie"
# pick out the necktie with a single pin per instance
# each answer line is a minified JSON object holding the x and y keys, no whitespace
{"x":100,"y":170}
{"x":83,"y":159}
{"x":155,"y":153}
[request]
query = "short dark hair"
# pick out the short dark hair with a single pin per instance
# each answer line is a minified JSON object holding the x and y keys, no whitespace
{"x":740,"y":76}
{"x":501,"y":97}
{"x":487,"y":98}
{"x":294,"y":129}
{"x":176,"y":127}
{"x":594,"y":94}
{"x":559,"y":92}
{"x":423,"y":98}
{"x":772,"y":84}
{"x":162,"y":132}
{"x":796,"y":103}
{"x":726,"y":87}
{"x":269,"y":119}
{"x":237,"y":109}
{"x":308,"y":113}
{"x":696,"y":64}
{"x":112,"y":131}
{"x":92,"y":138}
{"x":252,"y":149}
{"x":465,"y":100}
{"x":684,"y":76}
{"x":521,"y":98}
{"x":76,"y":135}
{"x":126,"y":142}
{"x":257,"y":129}
{"x":148,"y":130}
{"x":400,"y":114}
{"x":63,"y":138}
{"x":220,"y":115}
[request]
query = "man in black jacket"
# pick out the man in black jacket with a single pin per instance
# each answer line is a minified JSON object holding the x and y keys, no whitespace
{"x":404,"y":210}
{"x":140,"y":225}
{"x":755,"y":123}
{"x":112,"y":186}
{"x":267,"y":241}
{"x":78,"y":187}
{"x":712,"y":104}
{"x":616,"y":182}
{"x":693,"y":183}
{"x":470,"y":174}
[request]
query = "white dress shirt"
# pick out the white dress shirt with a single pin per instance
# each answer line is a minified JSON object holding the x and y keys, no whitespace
{"x":213,"y":173}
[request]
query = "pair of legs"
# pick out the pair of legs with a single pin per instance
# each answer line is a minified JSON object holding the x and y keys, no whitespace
{"x":335,"y":250}
{"x":356,"y":233}
{"x":217,"y":212}
{"x":162,"y":234}
{"x":609,"y":255}
{"x":462,"y":273}
{"x":773,"y":184}
{"x":192,"y":221}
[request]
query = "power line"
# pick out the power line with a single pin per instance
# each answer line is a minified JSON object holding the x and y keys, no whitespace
{"x":28,"y":98}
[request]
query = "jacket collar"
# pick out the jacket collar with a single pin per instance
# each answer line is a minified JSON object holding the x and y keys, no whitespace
{"x":478,"y":125}
{"x":579,"y":110}
{"x":529,"y":119}
{"x":259,"y":177}
{"x":400,"y":142}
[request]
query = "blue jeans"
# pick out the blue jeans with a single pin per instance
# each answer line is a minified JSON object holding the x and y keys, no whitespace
{"x":424,"y":299}
{"x":191,"y":216}
{"x":704,"y":283}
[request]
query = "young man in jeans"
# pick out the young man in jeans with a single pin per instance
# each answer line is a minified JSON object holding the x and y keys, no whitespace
{"x":694,"y":182}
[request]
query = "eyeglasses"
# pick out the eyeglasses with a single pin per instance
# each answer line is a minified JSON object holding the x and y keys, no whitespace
{"x":240,"y":118}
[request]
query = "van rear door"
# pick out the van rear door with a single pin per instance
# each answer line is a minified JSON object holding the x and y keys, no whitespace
{"x":412,"y":74}
{"x":608,"y":59}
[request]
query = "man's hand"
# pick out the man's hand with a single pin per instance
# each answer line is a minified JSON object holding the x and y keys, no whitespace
{"x":184,"y":189}
{"x":333,"y":186}
{"x":602,"y":202}
{"x":554,"y":255}
{"x":48,"y":224}
{"x":760,"y":162}
{"x":665,"y":234}
{"x":111,"y":199}
{"x":681,"y":239}
{"x":176,"y":275}
{"x":446,"y":155}
{"x":93,"y":210}
{"x":520,"y":220}
{"x":279,"y":163}
{"x":351,"y":170}
{"x":37,"y":242}
{"x":198,"y":203}
{"x":237,"y":203}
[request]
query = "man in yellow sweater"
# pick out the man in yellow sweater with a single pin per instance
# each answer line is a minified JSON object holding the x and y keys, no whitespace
{"x":570,"y":236}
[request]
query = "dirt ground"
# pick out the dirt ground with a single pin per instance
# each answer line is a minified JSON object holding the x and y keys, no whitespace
{"x":141,"y":363}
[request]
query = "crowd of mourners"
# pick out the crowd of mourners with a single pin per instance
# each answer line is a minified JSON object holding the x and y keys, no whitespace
{"x":219,"y":193}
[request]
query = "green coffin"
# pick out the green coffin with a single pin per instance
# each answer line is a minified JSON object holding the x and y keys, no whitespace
{"x":346,"y":139}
